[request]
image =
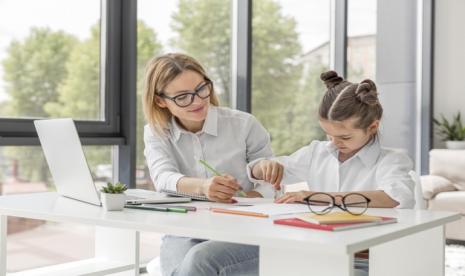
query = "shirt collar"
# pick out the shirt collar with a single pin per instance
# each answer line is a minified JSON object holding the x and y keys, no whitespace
{"x":368,"y":154}
{"x":210,"y":126}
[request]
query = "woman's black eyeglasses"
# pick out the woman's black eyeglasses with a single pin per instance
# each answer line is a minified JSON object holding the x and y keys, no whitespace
{"x":322,"y":203}
{"x":186,"y":99}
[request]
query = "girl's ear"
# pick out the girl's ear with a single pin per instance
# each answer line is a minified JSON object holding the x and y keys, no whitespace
{"x":160,"y":102}
{"x":373,"y":128}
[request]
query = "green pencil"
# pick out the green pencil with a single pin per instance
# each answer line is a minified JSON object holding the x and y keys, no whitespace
{"x":215,"y":172}
{"x":157,"y":208}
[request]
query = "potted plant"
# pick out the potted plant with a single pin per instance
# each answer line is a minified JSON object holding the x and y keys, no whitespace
{"x":452,"y":132}
{"x":113,"y":196}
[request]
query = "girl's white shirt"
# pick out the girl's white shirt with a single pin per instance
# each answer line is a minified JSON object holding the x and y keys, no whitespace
{"x":228,"y":140}
{"x":372,"y":168}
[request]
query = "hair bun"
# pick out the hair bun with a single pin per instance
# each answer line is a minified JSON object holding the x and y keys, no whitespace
{"x":366,"y":92}
{"x":331,"y":79}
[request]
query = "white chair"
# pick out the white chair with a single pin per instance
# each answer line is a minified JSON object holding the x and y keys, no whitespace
{"x":420,"y":202}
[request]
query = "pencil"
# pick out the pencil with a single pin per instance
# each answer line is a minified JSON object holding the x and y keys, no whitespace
{"x":215,"y":172}
{"x":160,"y":209}
{"x":237,"y":212}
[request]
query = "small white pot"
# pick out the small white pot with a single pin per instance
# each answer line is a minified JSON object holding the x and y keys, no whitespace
{"x":455,"y":144}
{"x":113,"y":202}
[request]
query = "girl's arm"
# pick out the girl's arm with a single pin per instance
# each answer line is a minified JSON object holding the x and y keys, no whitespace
{"x":378,"y":199}
{"x":393,"y":177}
{"x":287,"y":169}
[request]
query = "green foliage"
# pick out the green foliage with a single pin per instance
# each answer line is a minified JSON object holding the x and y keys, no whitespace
{"x":78,"y":93}
{"x":203,"y":30}
{"x":275,"y":71}
{"x":118,"y":188}
{"x":451,"y":131}
{"x":34,"y":68}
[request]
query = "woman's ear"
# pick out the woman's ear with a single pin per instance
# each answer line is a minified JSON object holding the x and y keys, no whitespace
{"x":160,"y":102}
{"x":373,"y":128}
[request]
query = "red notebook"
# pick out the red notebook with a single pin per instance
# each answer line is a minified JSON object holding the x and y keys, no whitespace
{"x":333,"y":227}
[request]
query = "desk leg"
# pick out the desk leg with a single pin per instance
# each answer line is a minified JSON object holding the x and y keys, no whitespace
{"x":118,"y":245}
{"x":276,"y":261}
{"x":3,"y":241}
{"x":418,"y":254}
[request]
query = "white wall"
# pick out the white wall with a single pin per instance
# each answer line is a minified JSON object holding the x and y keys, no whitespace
{"x":449,"y":60}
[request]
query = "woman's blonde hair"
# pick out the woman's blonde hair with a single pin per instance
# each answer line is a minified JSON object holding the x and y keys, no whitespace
{"x":159,"y":72}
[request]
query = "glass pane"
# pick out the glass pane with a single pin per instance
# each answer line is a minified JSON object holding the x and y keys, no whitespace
{"x":199,"y":28}
{"x":37,"y":243}
{"x":361,"y":40}
{"x":290,"y":51}
{"x":49,"y":59}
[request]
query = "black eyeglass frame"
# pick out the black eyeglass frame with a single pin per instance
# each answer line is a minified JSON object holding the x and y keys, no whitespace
{"x":333,"y":204}
{"x":192,"y":94}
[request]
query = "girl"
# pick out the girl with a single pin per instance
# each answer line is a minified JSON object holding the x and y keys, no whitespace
{"x":185,"y":125}
{"x":352,"y":159}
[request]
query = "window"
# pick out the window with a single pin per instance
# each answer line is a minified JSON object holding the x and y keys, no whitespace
{"x":49,"y":59}
{"x":361,"y":40}
{"x":290,"y":51}
{"x":201,"y":29}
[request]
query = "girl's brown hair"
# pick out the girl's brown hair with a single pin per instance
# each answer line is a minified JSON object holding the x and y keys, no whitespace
{"x":344,"y":100}
{"x":159,"y":72}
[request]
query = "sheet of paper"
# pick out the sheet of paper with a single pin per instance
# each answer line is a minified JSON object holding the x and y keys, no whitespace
{"x":296,"y":187}
{"x":274,"y":209}
{"x":252,"y":200}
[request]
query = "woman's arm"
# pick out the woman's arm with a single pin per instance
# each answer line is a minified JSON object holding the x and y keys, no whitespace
{"x":258,"y":145}
{"x":217,"y":188}
{"x":163,"y":169}
{"x":165,"y":173}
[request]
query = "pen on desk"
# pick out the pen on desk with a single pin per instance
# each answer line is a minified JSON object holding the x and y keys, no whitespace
{"x":188,"y":208}
{"x":157,"y":208}
{"x":215,"y":172}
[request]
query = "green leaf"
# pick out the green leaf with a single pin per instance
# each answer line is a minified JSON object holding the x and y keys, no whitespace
{"x":452,"y":131}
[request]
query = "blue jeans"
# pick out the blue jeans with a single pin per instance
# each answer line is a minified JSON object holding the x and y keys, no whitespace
{"x":187,"y":256}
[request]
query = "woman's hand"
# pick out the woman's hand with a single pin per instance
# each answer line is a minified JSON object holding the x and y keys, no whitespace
{"x":221,"y":188}
{"x":293,"y":197}
{"x":270,"y":171}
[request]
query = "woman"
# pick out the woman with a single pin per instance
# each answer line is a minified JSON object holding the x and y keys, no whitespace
{"x":186,"y":125}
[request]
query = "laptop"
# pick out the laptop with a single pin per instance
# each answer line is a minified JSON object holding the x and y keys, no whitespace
{"x":68,"y":166}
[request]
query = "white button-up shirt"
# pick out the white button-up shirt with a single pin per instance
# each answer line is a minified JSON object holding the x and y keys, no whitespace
{"x":228,"y":140}
{"x":372,"y":168}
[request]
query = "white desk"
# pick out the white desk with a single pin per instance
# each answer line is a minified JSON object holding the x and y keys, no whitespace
{"x":413,"y":246}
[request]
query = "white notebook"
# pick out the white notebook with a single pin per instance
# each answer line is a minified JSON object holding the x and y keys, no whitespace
{"x":139,"y":196}
{"x":188,"y":195}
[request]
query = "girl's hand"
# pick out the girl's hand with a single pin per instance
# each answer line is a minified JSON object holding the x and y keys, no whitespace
{"x":270,"y":171}
{"x":221,"y":188}
{"x":293,"y":197}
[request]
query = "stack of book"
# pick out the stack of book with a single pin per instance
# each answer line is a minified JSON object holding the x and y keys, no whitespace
{"x":335,"y":221}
